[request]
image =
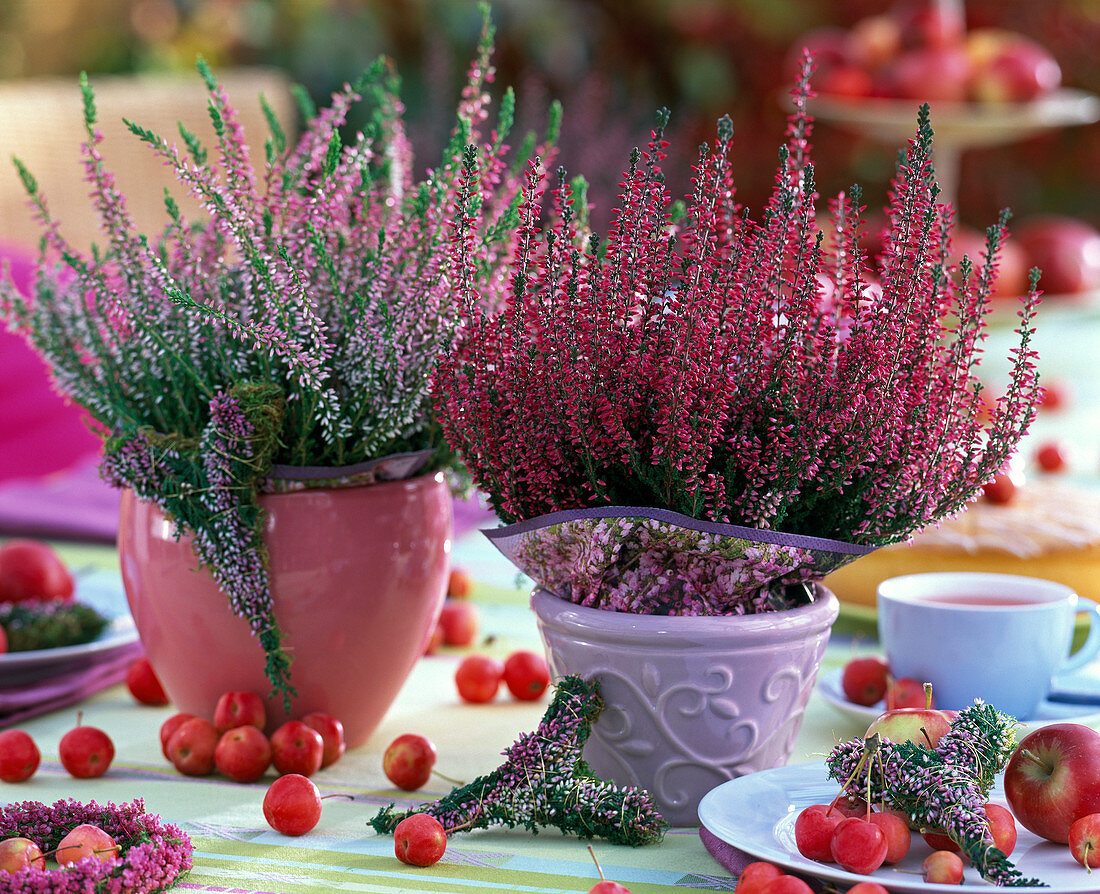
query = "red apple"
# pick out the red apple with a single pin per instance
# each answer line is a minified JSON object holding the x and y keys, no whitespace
{"x":243,"y":754}
{"x":813,"y":831}
{"x":19,"y":756}
{"x":942,"y":868}
{"x":1001,"y":490}
{"x":858,"y":845}
{"x":873,"y":41}
{"x":459,"y":620}
{"x":191,"y":747}
{"x":922,"y":726}
{"x":239,"y":709}
{"x":408,"y":761}
{"x":292,"y":805}
{"x":864,"y":680}
{"x":419,"y":840}
{"x":143,"y":683}
{"x":20,"y":853}
{"x":459,"y":584}
{"x":1009,"y":67}
{"x":930,"y":23}
{"x":169,"y":726}
{"x":86,"y":840}
{"x":332,"y":735}
{"x":1067,"y":250}
{"x":85,"y":751}
{"x":30,"y":569}
{"x":1084,"y":840}
{"x":904,"y":692}
{"x":756,"y":876}
{"x":1052,"y":456}
{"x":844,"y":80}
{"x":1053,"y":779}
{"x":297,"y":748}
{"x":930,"y":74}
{"x":896,"y":831}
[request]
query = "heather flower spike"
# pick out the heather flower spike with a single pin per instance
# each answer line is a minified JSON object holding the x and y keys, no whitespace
{"x":545,"y":783}
{"x":944,"y":788}
{"x":753,"y":372}
{"x":297,"y":323}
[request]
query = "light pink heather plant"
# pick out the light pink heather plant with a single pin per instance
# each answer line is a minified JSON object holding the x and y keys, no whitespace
{"x":299,"y":324}
{"x":739,"y":371}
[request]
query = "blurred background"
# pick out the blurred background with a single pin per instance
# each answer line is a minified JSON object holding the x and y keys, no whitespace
{"x":612,"y":64}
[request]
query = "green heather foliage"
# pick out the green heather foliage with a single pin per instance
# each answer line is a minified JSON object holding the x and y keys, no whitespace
{"x":299,"y":323}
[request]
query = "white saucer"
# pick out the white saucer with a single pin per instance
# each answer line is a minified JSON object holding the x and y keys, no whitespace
{"x":102,"y":590}
{"x":829,"y":688}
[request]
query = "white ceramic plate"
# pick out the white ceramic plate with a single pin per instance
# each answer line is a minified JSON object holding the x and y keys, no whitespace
{"x":102,"y":590}
{"x":756,"y":814}
{"x":829,"y":688}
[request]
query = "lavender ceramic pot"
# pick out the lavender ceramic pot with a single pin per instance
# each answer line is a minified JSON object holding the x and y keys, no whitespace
{"x":358,"y":575}
{"x":690,"y":701}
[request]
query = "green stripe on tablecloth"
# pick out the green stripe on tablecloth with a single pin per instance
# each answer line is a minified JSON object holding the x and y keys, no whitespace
{"x":368,"y":865}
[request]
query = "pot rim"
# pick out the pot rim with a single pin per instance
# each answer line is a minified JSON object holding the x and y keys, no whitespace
{"x":670,"y":630}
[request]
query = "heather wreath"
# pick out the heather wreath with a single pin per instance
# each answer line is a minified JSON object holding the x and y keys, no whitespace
{"x":750,"y":372}
{"x":297,"y":325}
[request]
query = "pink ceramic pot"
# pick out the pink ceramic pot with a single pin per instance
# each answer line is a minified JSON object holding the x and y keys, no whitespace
{"x":358,"y":574}
{"x":690,"y":702}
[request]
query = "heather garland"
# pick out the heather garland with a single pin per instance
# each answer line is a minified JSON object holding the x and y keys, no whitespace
{"x":942,"y":789}
{"x":152,"y":856}
{"x":746,"y":372}
{"x":298,"y":324}
{"x":545,"y":783}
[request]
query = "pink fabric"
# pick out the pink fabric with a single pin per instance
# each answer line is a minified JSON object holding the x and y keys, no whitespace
{"x":41,"y":431}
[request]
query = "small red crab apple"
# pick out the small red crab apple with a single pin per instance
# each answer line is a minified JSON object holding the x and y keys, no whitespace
{"x":813,"y":831}
{"x":1084,"y":840}
{"x":459,"y":584}
{"x":408,"y":761}
{"x":19,"y":853}
{"x":191,"y":747}
{"x":756,"y":876}
{"x":297,"y":748}
{"x":332,"y":735}
{"x":19,"y":756}
{"x":526,"y":674}
{"x":243,"y":754}
{"x":419,"y":840}
{"x":858,"y":845}
{"x":292,"y":805}
{"x":85,"y":751}
{"x":478,"y":678}
{"x":605,"y":886}
{"x":86,"y":840}
{"x":169,"y":726}
{"x":143,"y":683}
{"x":864,"y":680}
{"x":238,"y":708}
{"x":942,"y":868}
{"x":459,"y":619}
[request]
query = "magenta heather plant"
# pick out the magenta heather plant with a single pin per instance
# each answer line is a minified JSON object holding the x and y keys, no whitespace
{"x":298,"y":325}
{"x":732,"y":370}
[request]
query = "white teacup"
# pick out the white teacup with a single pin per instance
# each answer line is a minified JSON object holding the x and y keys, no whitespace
{"x":998,"y":637}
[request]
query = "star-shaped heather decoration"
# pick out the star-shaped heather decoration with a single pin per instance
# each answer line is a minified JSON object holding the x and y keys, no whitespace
{"x":544,"y":782}
{"x":942,"y":789}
